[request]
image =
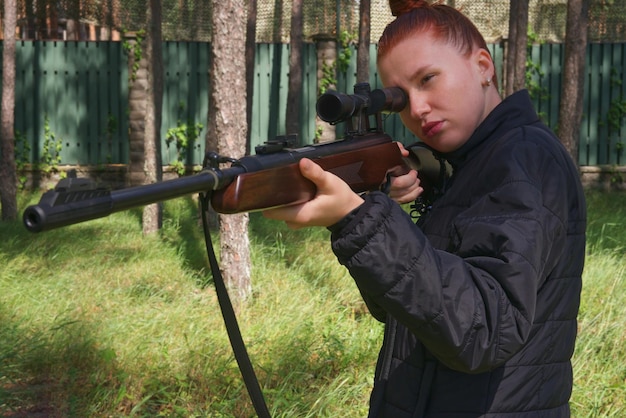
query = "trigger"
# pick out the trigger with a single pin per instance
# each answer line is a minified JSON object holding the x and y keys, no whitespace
{"x":386,"y":186}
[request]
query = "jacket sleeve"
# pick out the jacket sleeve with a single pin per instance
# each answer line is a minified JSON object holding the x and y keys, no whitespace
{"x":472,"y":305}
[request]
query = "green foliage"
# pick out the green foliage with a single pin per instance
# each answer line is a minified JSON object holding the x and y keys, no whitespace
{"x":329,"y":78}
{"x":615,"y":114}
{"x":614,"y":119}
{"x":50,"y":154}
{"x":605,"y":4}
{"x":22,"y":157}
{"x":50,"y":158}
{"x":346,"y":41}
{"x":183,"y":135}
{"x":617,"y":108}
{"x":134,"y":51}
{"x":318,"y":133}
{"x":534,"y":72}
{"x":616,"y":175}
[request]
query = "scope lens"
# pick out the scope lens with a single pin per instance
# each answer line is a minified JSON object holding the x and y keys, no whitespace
{"x":334,"y":107}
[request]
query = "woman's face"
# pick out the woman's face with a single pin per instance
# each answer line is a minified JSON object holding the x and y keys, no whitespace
{"x":448,"y":92}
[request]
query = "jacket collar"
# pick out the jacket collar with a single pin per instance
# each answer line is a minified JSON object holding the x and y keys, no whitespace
{"x":514,"y":111}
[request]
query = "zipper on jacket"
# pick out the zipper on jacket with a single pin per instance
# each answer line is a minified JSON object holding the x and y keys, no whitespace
{"x":428,"y":376}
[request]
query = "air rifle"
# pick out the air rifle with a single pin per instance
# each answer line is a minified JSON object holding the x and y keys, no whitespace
{"x":271,"y":178}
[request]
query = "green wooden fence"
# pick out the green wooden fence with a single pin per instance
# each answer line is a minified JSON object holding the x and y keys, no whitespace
{"x":75,"y":94}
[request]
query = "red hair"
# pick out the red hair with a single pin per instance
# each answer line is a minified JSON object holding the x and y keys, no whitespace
{"x":443,"y":22}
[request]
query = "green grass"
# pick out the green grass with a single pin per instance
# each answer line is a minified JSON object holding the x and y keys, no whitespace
{"x":599,"y":359}
{"x":97,"y":321}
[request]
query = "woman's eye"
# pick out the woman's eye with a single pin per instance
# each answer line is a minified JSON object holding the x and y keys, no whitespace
{"x":427,"y":78}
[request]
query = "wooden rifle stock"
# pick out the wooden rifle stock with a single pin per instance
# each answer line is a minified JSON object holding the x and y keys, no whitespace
{"x":363,"y":169}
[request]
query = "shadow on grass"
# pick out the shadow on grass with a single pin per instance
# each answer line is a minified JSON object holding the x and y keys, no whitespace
{"x":65,"y":371}
{"x":54,"y":372}
{"x":84,"y":239}
{"x":192,"y":235}
{"x":263,"y":232}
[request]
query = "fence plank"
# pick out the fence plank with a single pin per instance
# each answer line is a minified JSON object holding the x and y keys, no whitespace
{"x":83,"y":57}
{"x":617,"y":97}
{"x":24,"y":104}
{"x":584,"y":146}
{"x":620,"y":65}
{"x":594,"y":97}
{"x":551,"y":60}
{"x":262,"y":89}
{"x":175,"y":88}
{"x":605,"y":102}
{"x":82,"y":88}
{"x":100,"y":112}
{"x":197,"y":98}
{"x":309,"y":95}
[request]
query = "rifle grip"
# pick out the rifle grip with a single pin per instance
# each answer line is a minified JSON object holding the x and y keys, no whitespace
{"x":263,"y":190}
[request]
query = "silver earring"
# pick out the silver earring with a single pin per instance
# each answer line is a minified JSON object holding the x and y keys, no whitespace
{"x":488,"y":82}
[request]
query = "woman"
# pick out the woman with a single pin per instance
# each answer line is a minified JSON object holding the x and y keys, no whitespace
{"x":480,"y":298}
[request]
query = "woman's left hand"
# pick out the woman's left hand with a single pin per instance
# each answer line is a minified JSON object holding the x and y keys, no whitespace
{"x":333,"y":201}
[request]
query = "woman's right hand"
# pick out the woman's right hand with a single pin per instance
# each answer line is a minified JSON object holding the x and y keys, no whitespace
{"x":404,"y":186}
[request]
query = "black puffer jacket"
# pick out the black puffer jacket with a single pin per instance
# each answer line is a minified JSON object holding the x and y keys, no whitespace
{"x":480,"y":301}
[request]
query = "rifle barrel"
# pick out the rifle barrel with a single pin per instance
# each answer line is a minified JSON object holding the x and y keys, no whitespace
{"x":65,"y":206}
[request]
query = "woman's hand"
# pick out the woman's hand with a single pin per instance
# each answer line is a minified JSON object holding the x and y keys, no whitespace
{"x":333,"y":201}
{"x":405,"y":186}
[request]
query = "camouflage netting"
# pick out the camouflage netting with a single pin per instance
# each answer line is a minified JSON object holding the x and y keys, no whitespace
{"x":189,"y":20}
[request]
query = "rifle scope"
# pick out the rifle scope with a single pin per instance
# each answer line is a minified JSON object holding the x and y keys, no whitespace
{"x":334,"y":107}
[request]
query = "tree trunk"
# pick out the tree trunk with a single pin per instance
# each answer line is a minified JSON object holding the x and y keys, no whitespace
{"x":250,"y":57}
{"x":31,"y":20}
{"x":226,"y":123}
{"x":137,"y":97}
{"x":72,"y":30}
{"x":363,"y":49}
{"x":517,"y":47}
{"x":511,"y":44}
{"x":292,"y":118}
{"x":153,"y":167}
{"x":8,"y":174}
{"x":572,"y":91}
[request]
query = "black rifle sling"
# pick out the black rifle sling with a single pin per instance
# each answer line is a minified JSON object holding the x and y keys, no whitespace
{"x":230,"y":320}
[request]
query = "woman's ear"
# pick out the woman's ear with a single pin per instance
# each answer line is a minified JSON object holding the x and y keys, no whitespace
{"x":485,"y":63}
